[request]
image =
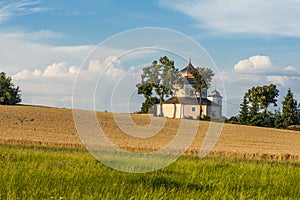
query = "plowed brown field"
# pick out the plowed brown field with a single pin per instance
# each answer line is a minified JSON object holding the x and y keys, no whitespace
{"x":55,"y":126}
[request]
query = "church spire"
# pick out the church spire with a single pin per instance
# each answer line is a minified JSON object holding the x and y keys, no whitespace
{"x":187,"y":71}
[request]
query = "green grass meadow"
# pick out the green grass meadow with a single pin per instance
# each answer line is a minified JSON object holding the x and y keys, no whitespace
{"x":35,"y":172}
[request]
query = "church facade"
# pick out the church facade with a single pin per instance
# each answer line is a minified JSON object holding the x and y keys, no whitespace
{"x":185,"y":104}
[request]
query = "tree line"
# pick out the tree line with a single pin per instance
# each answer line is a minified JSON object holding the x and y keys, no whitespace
{"x":256,"y":101}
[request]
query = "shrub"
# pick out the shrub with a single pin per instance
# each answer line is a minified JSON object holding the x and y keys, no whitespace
{"x":9,"y":93}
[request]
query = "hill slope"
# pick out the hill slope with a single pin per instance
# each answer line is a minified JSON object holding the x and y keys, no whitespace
{"x":54,"y":126}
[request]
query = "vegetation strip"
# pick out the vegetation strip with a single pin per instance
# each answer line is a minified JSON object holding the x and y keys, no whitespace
{"x":34,"y":172}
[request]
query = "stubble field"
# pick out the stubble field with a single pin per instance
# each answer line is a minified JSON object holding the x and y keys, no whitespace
{"x":55,"y":127}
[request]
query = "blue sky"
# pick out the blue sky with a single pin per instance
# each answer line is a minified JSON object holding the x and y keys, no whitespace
{"x":253,"y":42}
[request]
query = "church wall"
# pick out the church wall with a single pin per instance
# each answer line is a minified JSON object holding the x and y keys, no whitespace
{"x":189,"y":111}
{"x":193,"y":111}
{"x":168,"y":110}
{"x":215,"y":111}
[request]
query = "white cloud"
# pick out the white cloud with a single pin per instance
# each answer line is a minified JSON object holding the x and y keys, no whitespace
{"x":257,"y":62}
{"x":73,"y":70}
{"x":24,"y":74}
{"x":9,"y":9}
{"x":46,"y":73}
{"x":56,"y":70}
{"x":22,"y":51}
{"x":290,"y":69}
{"x":37,"y":72}
{"x":111,"y":67}
{"x":54,"y":84}
{"x":94,"y":65}
{"x":276,"y":17}
{"x":257,"y":71}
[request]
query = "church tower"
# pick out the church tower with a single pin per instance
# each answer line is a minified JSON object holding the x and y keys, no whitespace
{"x":188,"y":81}
{"x":216,"y":97}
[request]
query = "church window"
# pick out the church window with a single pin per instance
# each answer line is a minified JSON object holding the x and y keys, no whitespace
{"x":191,"y":93}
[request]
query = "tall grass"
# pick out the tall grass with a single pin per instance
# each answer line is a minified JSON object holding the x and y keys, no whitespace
{"x":33,"y":172}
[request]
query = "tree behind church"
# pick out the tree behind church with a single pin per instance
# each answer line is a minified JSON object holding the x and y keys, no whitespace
{"x":9,"y":93}
{"x":203,"y":77}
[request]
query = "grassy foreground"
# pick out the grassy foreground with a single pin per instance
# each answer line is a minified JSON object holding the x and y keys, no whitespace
{"x":34,"y":172}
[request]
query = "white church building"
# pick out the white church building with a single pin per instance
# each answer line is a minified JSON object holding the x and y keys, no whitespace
{"x":185,"y":104}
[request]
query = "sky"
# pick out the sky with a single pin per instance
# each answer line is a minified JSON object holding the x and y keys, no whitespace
{"x":48,"y":47}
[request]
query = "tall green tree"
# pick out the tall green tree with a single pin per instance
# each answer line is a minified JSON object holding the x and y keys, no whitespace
{"x":203,"y":77}
{"x":278,"y":120}
{"x":298,"y":113}
{"x":289,"y":110}
{"x":260,"y":98}
{"x":146,"y":90}
{"x":254,"y":108}
{"x":9,"y":93}
{"x":268,"y":95}
{"x":243,"y":117}
{"x":147,"y":105}
{"x":160,"y":77}
{"x":169,"y":80}
{"x":252,"y":94}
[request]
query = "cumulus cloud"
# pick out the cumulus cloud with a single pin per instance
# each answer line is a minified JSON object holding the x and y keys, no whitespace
{"x":73,"y":70}
{"x":54,"y":84}
{"x":37,"y":72}
{"x":56,"y":70}
{"x":262,"y":66}
{"x":94,"y":65}
{"x":257,"y":62}
{"x":248,"y":16}
{"x":24,"y":74}
{"x":256,"y":71}
{"x":110,"y":66}
{"x":53,"y":70}
{"x":46,"y":73}
{"x":290,"y":69}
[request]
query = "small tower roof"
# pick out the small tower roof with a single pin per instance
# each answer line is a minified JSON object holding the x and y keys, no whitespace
{"x":215,"y":93}
{"x":187,"y":71}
